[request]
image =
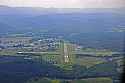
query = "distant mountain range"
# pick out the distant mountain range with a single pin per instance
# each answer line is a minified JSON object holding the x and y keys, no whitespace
{"x":5,"y":10}
{"x":56,"y":20}
{"x":89,"y":27}
{"x":4,"y":28}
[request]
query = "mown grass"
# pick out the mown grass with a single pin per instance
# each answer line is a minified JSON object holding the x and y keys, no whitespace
{"x":89,"y":80}
{"x":7,"y":53}
{"x":94,"y":80}
{"x":89,"y":61}
{"x":98,"y":52}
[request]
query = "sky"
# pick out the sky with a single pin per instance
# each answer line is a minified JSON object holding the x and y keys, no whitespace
{"x":65,"y":3}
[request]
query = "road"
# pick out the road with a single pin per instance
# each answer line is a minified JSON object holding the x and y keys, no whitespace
{"x":66,"y":55}
{"x":37,"y":53}
{"x":93,"y":53}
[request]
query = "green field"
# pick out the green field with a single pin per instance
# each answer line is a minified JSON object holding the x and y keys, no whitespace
{"x":8,"y":53}
{"x":89,"y":61}
{"x":94,"y":80}
{"x":97,"y":52}
{"x":89,"y":80}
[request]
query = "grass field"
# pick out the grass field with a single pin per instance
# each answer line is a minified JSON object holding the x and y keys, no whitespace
{"x":89,"y":61}
{"x":94,"y":80}
{"x":98,"y":52}
{"x":8,"y":53}
{"x":89,"y":80}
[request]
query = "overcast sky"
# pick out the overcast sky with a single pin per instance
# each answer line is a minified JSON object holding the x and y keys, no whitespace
{"x":65,"y":3}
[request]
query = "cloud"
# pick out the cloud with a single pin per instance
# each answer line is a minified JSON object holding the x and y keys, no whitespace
{"x":66,"y":3}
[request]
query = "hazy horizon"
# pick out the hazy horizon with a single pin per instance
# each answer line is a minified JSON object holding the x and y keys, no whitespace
{"x":65,"y":4}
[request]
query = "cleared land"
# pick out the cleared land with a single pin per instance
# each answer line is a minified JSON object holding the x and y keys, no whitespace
{"x":89,"y":61}
{"x":66,"y":54}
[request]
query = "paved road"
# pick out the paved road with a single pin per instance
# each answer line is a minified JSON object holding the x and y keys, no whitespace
{"x":93,"y":53}
{"x":66,"y":55}
{"x":37,"y":52}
